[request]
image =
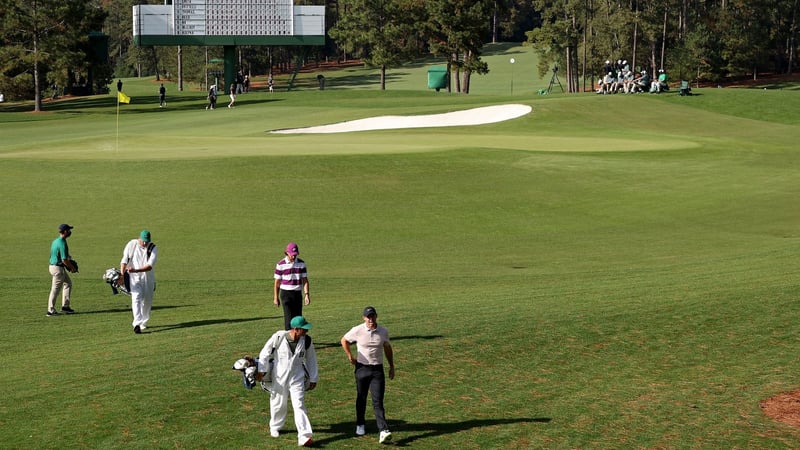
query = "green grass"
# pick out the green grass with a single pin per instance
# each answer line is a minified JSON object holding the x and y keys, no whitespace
{"x":606,"y":272}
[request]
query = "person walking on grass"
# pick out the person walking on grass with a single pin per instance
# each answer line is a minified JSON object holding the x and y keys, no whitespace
{"x":60,"y":264}
{"x":162,"y":96}
{"x":232,"y":94}
{"x":212,"y":97}
{"x":372,"y":343}
{"x":291,"y":286}
{"x":138,"y":266}
{"x":295,"y":363}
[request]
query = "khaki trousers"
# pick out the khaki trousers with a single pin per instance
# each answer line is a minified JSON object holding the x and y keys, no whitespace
{"x":61,"y":280}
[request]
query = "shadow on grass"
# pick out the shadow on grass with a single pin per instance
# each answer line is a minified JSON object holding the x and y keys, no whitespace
{"x":406,"y":433}
{"x":337,"y":344}
{"x":363,"y":80}
{"x":201,"y":323}
{"x":138,"y":105}
{"x":125,"y":306}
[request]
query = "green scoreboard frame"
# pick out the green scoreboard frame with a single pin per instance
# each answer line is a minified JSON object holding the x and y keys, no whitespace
{"x":228,"y":23}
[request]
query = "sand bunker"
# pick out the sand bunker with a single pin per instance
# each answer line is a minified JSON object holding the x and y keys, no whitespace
{"x":475,"y":116}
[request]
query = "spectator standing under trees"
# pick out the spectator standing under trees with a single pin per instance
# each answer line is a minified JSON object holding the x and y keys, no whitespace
{"x":212,"y":97}
{"x":232,"y":94}
{"x":162,"y":96}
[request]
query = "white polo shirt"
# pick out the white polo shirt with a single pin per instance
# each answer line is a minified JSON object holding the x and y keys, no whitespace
{"x":369,"y":343}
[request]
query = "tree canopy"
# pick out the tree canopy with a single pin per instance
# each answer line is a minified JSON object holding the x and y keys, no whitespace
{"x":695,"y":39}
{"x":45,"y":43}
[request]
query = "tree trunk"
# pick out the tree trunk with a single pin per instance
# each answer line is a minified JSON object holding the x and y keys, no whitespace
{"x":37,"y":84}
{"x":567,"y":69}
{"x":494,"y":23}
{"x":383,"y":77}
{"x":792,"y":38}
{"x":635,"y":35}
{"x":664,"y":39}
{"x":652,"y":69}
{"x":467,"y":72}
{"x":180,"y":68}
{"x":583,"y":72}
{"x":457,"y":75}
{"x":155,"y":62}
{"x":449,"y":76}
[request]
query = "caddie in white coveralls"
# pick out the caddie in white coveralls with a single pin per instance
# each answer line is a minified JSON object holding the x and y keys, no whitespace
{"x":139,"y":261}
{"x":292,"y":361}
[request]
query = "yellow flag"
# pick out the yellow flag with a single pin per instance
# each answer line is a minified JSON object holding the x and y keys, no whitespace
{"x":122,"y":98}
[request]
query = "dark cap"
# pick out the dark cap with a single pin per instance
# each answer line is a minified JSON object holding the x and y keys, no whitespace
{"x":370,"y":311}
{"x":64,"y":227}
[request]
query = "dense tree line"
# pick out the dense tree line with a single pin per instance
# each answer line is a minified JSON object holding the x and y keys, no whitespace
{"x":692,"y":39}
{"x":46,"y":43}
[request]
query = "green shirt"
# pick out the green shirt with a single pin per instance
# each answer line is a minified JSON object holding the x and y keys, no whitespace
{"x":59,"y":251}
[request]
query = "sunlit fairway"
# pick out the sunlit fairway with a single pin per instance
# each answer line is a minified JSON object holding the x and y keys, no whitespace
{"x":604,"y":272}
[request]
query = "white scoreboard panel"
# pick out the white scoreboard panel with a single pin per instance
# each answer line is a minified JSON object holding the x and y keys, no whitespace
{"x":233,"y":17}
{"x":229,"y":22}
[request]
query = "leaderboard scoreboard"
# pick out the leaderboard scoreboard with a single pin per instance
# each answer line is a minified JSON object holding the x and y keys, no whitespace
{"x":229,"y":22}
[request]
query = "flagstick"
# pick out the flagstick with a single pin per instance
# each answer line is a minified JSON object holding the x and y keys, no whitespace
{"x":117,"y":147}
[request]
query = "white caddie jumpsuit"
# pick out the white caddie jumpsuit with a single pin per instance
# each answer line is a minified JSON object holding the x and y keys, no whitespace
{"x":288,"y":381}
{"x":143,"y":284}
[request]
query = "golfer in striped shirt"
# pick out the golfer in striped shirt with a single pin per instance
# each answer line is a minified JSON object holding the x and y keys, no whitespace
{"x":291,"y":285}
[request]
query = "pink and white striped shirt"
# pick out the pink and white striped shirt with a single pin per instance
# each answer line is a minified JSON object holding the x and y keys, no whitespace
{"x":291,"y":274}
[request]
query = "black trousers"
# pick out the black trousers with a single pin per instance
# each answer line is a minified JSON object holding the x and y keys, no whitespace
{"x":370,"y":380}
{"x":292,"y":302}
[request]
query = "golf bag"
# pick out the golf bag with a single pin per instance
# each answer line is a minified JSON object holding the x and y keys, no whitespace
{"x":112,"y":276}
{"x":248,"y":366}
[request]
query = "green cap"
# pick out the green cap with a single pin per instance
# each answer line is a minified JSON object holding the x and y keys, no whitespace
{"x":145,"y":236}
{"x":300,"y":322}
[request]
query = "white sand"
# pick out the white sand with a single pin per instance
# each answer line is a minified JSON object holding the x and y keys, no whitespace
{"x":475,"y":116}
